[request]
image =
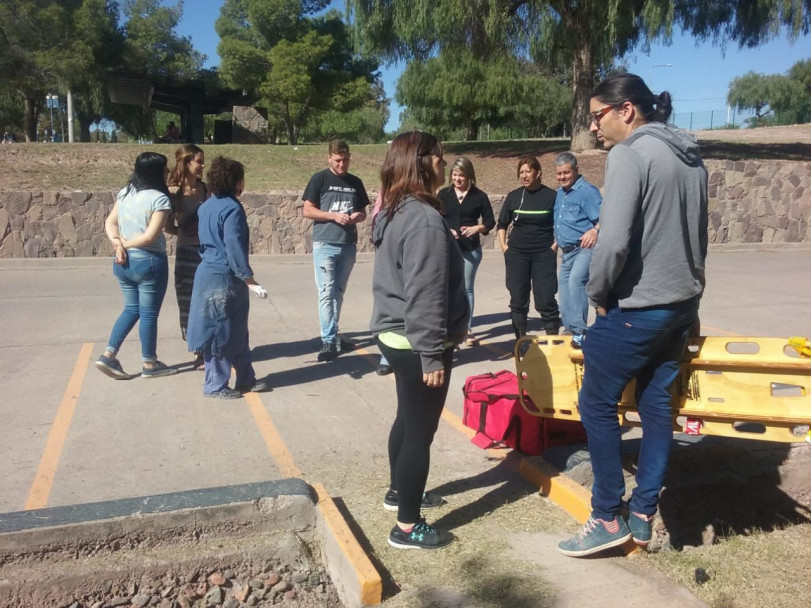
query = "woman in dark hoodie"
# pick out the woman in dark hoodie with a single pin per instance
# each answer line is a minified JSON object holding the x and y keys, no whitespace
{"x":420,"y":314}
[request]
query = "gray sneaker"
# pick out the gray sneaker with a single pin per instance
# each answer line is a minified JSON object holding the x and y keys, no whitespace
{"x":596,"y":535}
{"x":157,"y":370}
{"x":641,"y":527}
{"x":110,"y":366}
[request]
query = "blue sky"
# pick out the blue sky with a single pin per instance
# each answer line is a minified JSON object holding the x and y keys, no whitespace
{"x":697,"y":77}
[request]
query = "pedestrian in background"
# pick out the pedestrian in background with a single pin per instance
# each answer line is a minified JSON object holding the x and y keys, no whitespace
{"x":218,"y":316}
{"x":646,"y":280}
{"x":470,"y":216}
{"x":135,"y":227}
{"x":336,"y":201}
{"x":577,"y":217}
{"x":526,"y":236}
{"x":420,"y":314}
{"x":187,"y":191}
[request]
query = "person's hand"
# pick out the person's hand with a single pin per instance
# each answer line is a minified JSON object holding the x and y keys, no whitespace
{"x":469,"y":231}
{"x":434,"y":379}
{"x":342,"y":219}
{"x":600,"y":310}
{"x":260,"y":291}
{"x":357,"y":217}
{"x":455,"y":234}
{"x":120,"y":251}
{"x":589,"y":239}
{"x":554,"y":246}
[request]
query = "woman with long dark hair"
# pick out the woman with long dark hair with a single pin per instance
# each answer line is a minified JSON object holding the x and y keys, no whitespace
{"x":187,"y":191}
{"x":530,"y":261}
{"x":470,"y":216}
{"x":135,"y":227}
{"x":218,"y":315}
{"x":420,"y":314}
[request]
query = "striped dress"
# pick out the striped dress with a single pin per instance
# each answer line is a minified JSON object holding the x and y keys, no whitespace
{"x":187,"y":252}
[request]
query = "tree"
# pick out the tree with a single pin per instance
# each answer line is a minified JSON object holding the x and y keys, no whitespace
{"x":584,"y":36}
{"x":785,"y":97}
{"x":455,"y":91}
{"x":300,"y":66}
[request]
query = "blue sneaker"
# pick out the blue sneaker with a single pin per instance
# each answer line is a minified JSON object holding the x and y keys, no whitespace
{"x":596,"y":535}
{"x":111,"y":367}
{"x":577,"y":341}
{"x":421,"y":536}
{"x":641,"y":527}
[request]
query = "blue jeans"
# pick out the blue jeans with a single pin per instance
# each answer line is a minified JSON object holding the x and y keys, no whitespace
{"x":646,"y":344}
{"x":472,"y":260}
{"x":143,"y":279}
{"x":333,"y":265}
{"x":574,"y":304}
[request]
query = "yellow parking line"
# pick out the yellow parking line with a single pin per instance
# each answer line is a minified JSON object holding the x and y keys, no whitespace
{"x":43,"y":481}
{"x":278,"y":450}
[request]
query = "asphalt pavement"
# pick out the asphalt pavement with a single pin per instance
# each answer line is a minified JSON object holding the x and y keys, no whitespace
{"x":71,"y":435}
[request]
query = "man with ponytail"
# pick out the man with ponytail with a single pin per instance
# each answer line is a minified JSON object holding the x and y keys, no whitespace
{"x":645,"y":281}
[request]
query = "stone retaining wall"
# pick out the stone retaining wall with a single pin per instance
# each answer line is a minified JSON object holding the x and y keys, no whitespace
{"x":750,"y":202}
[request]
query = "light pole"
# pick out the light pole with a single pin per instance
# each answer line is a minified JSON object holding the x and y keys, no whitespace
{"x":650,"y":73}
{"x":51,"y":100}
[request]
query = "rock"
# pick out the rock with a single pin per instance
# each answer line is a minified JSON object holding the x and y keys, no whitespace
{"x":183,"y":601}
{"x":255,"y":583}
{"x":107,"y":586}
{"x":242,"y":593}
{"x":229,"y":574}
{"x":281,"y":587}
{"x":215,"y":595}
{"x":290,"y":595}
{"x":216,"y":579}
{"x":167,"y":591}
{"x":300,"y":577}
{"x":272,"y":580}
{"x":75,"y":605}
{"x":166,"y":604}
{"x":119,"y":601}
{"x":252,"y":601}
{"x":140,"y":600}
{"x":701,"y":576}
{"x":232,"y":603}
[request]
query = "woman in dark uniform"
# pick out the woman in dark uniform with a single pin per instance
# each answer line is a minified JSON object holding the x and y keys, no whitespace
{"x":530,"y":261}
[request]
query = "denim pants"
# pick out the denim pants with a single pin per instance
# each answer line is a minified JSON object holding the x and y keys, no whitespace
{"x":143,"y":279}
{"x":472,"y":260}
{"x":646,"y":344}
{"x":574,"y":304}
{"x":218,"y":371}
{"x":333,"y":265}
{"x":419,"y":408}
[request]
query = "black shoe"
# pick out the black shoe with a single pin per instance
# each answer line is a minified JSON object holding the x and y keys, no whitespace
{"x":328,"y":352}
{"x":553,"y":329}
{"x":384,"y":369}
{"x":257,"y":387}
{"x":421,"y":536}
{"x":226,"y":393}
{"x":430,"y":500}
{"x":345,"y":346}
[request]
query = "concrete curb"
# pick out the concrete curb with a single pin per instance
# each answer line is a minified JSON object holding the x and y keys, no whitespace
{"x":287,"y":504}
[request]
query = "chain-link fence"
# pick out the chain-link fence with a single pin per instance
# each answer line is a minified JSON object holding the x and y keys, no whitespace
{"x":711,"y":119}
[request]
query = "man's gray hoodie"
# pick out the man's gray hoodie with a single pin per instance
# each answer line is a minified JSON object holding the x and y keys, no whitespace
{"x":653,"y":222}
{"x":418,"y":282}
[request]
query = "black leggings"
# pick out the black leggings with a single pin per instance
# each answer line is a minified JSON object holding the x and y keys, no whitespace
{"x":419,"y":408}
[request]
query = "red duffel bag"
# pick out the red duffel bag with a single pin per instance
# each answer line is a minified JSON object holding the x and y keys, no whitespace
{"x":492,"y":408}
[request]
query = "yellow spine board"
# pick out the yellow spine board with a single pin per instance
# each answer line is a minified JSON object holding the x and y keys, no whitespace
{"x":756,"y":388}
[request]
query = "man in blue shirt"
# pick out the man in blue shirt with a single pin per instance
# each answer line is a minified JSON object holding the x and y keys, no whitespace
{"x":577,"y":215}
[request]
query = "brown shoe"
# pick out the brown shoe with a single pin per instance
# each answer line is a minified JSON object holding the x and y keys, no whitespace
{"x":471,"y":340}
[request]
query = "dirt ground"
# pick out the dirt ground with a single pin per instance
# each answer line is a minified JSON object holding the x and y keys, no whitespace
{"x":100,"y":166}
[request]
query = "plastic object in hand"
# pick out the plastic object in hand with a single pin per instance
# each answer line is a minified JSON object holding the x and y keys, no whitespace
{"x":259,"y":291}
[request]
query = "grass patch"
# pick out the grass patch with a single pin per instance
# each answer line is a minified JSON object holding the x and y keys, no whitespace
{"x":758,"y":569}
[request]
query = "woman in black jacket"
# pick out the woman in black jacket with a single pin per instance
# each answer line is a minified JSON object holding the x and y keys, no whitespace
{"x":530,"y":261}
{"x":469,"y":216}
